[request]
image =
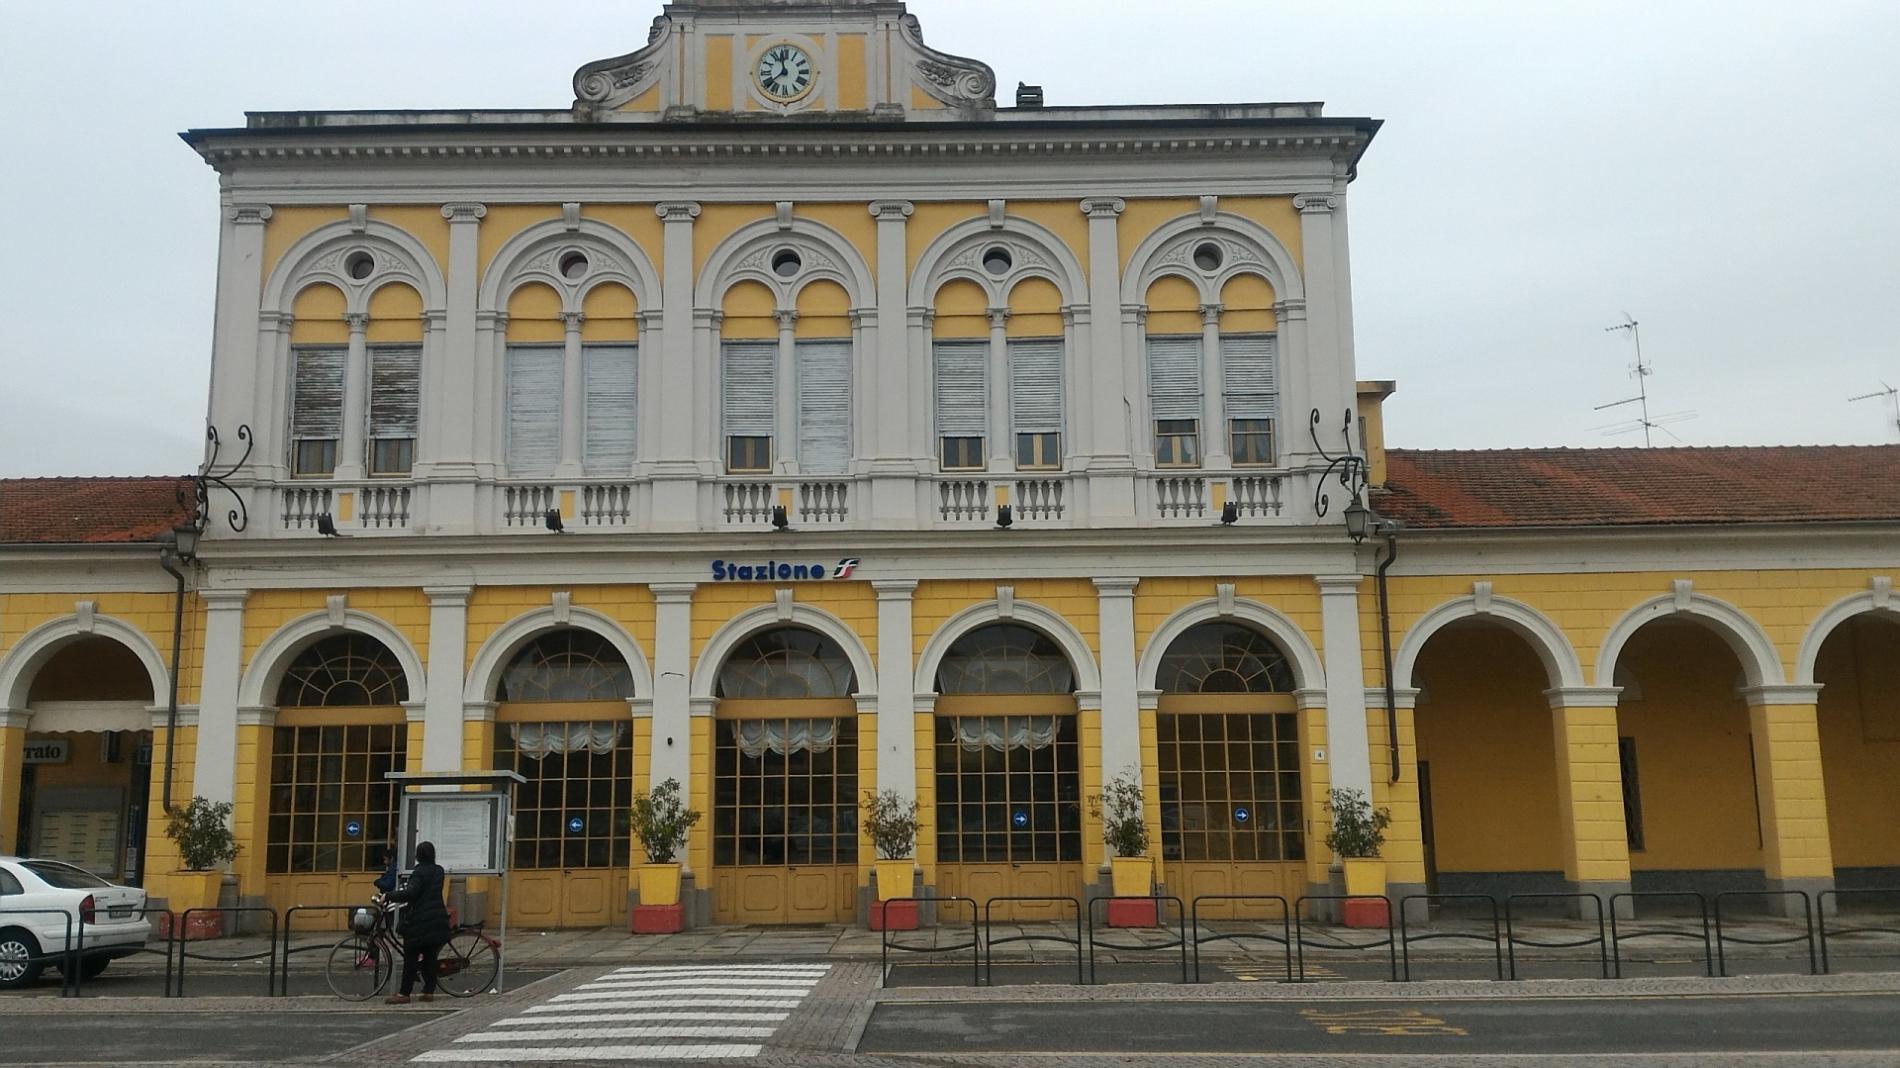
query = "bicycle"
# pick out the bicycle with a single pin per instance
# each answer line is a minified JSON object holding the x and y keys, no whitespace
{"x":361,"y":964}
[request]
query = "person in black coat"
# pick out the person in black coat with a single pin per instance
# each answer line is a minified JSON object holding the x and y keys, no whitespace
{"x":425,"y":924}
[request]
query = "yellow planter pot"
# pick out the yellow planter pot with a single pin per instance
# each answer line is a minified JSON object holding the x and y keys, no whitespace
{"x":894,"y":878}
{"x":1131,"y":876}
{"x":193,"y":890}
{"x":1365,"y":876}
{"x":659,"y":884}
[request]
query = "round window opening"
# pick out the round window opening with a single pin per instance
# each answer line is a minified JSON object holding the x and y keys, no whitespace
{"x":998,"y":261}
{"x":786,"y":263}
{"x":1208,"y":257}
{"x":359,"y":265}
{"x":573,"y":265}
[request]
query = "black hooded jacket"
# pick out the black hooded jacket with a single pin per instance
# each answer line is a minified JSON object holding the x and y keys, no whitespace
{"x":426,"y":921}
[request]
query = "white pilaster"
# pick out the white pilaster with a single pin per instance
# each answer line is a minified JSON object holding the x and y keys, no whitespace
{"x":1108,"y":456}
{"x":1328,"y":364}
{"x":572,"y":397}
{"x":785,"y":420}
{"x":349,"y":450}
{"x":896,"y":758}
{"x":672,"y":664}
{"x":451,"y":369}
{"x":1002,"y":449}
{"x":676,"y":488}
{"x":448,"y":651}
{"x":238,"y":358}
{"x":894,"y":411}
{"x":1121,"y":705}
{"x":215,"y":774}
{"x":1213,"y":406}
{"x":1345,"y":682}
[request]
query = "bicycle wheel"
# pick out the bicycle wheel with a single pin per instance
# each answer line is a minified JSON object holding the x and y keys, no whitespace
{"x":359,"y":968}
{"x":467,"y":965}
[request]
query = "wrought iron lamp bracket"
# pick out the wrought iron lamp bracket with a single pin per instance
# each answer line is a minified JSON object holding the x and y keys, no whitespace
{"x":212,"y":475}
{"x":1349,"y":468}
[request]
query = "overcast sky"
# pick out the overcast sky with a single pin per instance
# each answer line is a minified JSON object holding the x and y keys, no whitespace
{"x":1727,"y":172}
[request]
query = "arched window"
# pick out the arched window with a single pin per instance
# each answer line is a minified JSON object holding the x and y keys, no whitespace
{"x":566,"y":665}
{"x":787,"y":662}
{"x":1005,"y":658}
{"x":343,"y":671}
{"x":1224,"y":658}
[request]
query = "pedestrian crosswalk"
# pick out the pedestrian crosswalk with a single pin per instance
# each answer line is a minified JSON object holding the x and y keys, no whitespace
{"x":656,"y":1013}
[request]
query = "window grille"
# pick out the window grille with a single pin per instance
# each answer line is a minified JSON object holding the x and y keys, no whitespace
{"x":572,"y":811}
{"x":788,"y":803}
{"x":1230,"y":787}
{"x":824,"y":407}
{"x":787,"y":662}
{"x":534,"y":409}
{"x":566,"y":665}
{"x":1224,"y":658}
{"x":1008,"y":802}
{"x":323,"y":781}
{"x":1005,"y":658}
{"x":610,"y":379}
{"x":343,"y":671}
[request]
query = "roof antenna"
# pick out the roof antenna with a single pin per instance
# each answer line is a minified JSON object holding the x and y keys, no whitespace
{"x":1640,"y":370}
{"x":1893,"y":401}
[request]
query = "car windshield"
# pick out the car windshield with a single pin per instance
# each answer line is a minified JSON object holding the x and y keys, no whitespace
{"x":64,"y":876}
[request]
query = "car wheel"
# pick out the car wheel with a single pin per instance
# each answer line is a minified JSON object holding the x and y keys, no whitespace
{"x":93,"y":967}
{"x":19,"y":959}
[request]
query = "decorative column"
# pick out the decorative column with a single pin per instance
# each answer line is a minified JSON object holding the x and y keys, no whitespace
{"x":1109,"y":454}
{"x":242,"y":370}
{"x":1796,"y":852}
{"x":1213,"y":404}
{"x":1345,"y":683}
{"x":1292,"y":445}
{"x":675,"y":474}
{"x":896,"y":758}
{"x":920,"y":326}
{"x":573,"y":397}
{"x":1590,"y":792}
{"x":215,"y":774}
{"x":453,"y":366}
{"x":892,"y":407}
{"x":672,"y":664}
{"x":448,"y":654}
{"x":349,"y":451}
{"x":1121,"y":707}
{"x":13,"y":723}
{"x":1328,"y":363}
{"x":1002,"y":451}
{"x":785,"y":419}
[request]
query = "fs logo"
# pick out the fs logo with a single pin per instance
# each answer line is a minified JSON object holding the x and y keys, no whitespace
{"x":845,"y":568}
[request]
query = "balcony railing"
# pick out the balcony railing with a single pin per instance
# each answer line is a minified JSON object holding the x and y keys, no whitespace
{"x":366,"y":506}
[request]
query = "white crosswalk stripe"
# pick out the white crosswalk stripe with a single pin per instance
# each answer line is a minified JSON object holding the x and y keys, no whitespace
{"x":691,"y":1012}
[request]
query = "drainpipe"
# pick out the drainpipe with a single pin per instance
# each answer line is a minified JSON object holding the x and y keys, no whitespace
{"x":1391,"y":531}
{"x":165,"y":559}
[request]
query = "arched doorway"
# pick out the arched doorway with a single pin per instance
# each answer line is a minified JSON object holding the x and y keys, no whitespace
{"x":86,"y":771}
{"x":785,"y":781}
{"x":1487,"y":764}
{"x":1009,"y":777}
{"x":339,"y":729}
{"x":1859,"y":713}
{"x":1229,"y":762}
{"x":562,"y":720}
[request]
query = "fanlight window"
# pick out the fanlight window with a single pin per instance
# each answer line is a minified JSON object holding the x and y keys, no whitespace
{"x":788,"y":662}
{"x":1224,"y":658}
{"x":566,"y":665}
{"x":1005,"y":658}
{"x":343,"y":671}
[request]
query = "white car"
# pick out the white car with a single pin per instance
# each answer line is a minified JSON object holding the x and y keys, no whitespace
{"x":112,"y":918}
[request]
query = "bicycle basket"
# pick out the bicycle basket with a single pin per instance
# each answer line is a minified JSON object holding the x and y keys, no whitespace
{"x":362,"y":921}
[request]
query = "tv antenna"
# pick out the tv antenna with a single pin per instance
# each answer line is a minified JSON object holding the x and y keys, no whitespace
{"x":1893,"y":401}
{"x":1640,"y":370}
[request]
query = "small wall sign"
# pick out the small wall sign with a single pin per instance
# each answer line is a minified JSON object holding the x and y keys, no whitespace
{"x":47,"y":751}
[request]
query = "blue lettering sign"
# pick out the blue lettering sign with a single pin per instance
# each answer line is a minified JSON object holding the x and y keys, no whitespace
{"x":774,"y":571}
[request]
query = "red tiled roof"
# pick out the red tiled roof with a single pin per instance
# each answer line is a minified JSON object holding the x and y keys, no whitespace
{"x":63,"y":511}
{"x":1624,"y":487}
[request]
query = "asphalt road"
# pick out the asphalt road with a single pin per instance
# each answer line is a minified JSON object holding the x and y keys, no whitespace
{"x":210,"y":979}
{"x":1540,"y":1027}
{"x":240,"y":1038}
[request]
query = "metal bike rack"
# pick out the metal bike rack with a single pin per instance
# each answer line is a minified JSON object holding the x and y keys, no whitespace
{"x":1511,"y":941}
{"x":1406,"y":937}
{"x":1806,"y":935}
{"x":67,"y":957}
{"x":990,"y":941}
{"x":1390,"y":943}
{"x":974,"y":945}
{"x":1180,"y":932}
{"x":1285,"y":939}
{"x":270,"y":944}
{"x":171,"y":940}
{"x":1822,"y":902}
{"x":285,"y":949}
{"x":1618,"y":936}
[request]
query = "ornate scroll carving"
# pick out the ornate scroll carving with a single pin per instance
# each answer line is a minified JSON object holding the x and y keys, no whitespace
{"x":608,"y":83}
{"x":952,"y":79}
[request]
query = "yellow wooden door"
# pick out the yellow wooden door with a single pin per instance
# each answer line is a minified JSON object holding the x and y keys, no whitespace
{"x":983,"y":882}
{"x":1188,"y":880}
{"x":767,"y":896}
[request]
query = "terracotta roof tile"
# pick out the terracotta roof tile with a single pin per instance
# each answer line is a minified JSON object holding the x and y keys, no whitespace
{"x":63,"y":511}
{"x":1622,"y":487}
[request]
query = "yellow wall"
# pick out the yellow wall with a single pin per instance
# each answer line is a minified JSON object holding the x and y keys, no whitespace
{"x":1859,"y":668}
{"x":317,"y":316}
{"x":504,"y":221}
{"x":424,"y":222}
{"x":288,"y":224}
{"x":534,"y":316}
{"x":1484,"y":726}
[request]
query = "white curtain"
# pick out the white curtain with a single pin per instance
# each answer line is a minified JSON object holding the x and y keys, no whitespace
{"x":784,"y":736}
{"x":995,"y":732}
{"x":541,"y":740}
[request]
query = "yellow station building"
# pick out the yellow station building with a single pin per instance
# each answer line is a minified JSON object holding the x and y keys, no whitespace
{"x":890,"y":432}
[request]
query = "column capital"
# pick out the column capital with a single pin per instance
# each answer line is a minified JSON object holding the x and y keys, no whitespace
{"x":478,"y":711}
{"x":786,"y":318}
{"x":356,"y":321}
{"x":677,"y":211}
{"x":275,"y":321}
{"x":708,"y":317}
{"x":1561,"y":697}
{"x":223,"y":600}
{"x":1790,"y":694}
{"x":1311,"y":697}
{"x":1103,"y":207}
{"x":15,"y":717}
{"x":1210,"y":314}
{"x":448,"y":596}
{"x":1286,"y":310}
{"x":863,"y":317}
{"x":1402,"y":697}
{"x":491,"y":320}
{"x":999,"y":317}
{"x":1116,"y":587}
{"x":891,"y":210}
{"x":650,"y":318}
{"x":1135,"y":314}
{"x":256,"y":716}
{"x":1338,"y":585}
{"x":921,"y":317}
{"x":571,"y":321}
{"x":464,"y":212}
{"x":1075,"y":315}
{"x":894,"y":589}
{"x":248,"y":214}
{"x":673,"y":592}
{"x":1315,"y":203}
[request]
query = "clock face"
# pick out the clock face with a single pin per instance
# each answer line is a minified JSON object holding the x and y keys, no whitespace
{"x":785,"y":72}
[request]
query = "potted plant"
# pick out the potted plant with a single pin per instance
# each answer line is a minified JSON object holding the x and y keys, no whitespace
{"x":1131,"y":870}
{"x":891,"y":820}
{"x":660,"y":820}
{"x":202,"y":832}
{"x":1357,"y":834}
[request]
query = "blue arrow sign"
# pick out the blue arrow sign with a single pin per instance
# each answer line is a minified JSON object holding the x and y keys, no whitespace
{"x":1019,"y":818}
{"x":353,"y":829}
{"x":575,"y":825}
{"x":1241,"y":815}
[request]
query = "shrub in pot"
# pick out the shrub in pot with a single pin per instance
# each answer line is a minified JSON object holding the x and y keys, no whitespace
{"x":660,"y":820}
{"x":1125,"y":829}
{"x":1356,"y":836}
{"x":891,"y":820}
{"x":202,"y":832}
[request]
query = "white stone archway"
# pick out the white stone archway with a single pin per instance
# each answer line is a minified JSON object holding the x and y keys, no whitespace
{"x":1877,"y":600}
{"x":1088,"y":677}
{"x":534,"y":255}
{"x":1035,"y":252}
{"x":258,"y":687}
{"x":1562,"y":668}
{"x":1247,"y":247}
{"x":320,"y":257}
{"x":766,"y":617}
{"x":484,"y":672}
{"x":1761,"y":664}
{"x":747,"y":255}
{"x":39,"y":645}
{"x":1308,"y":672}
